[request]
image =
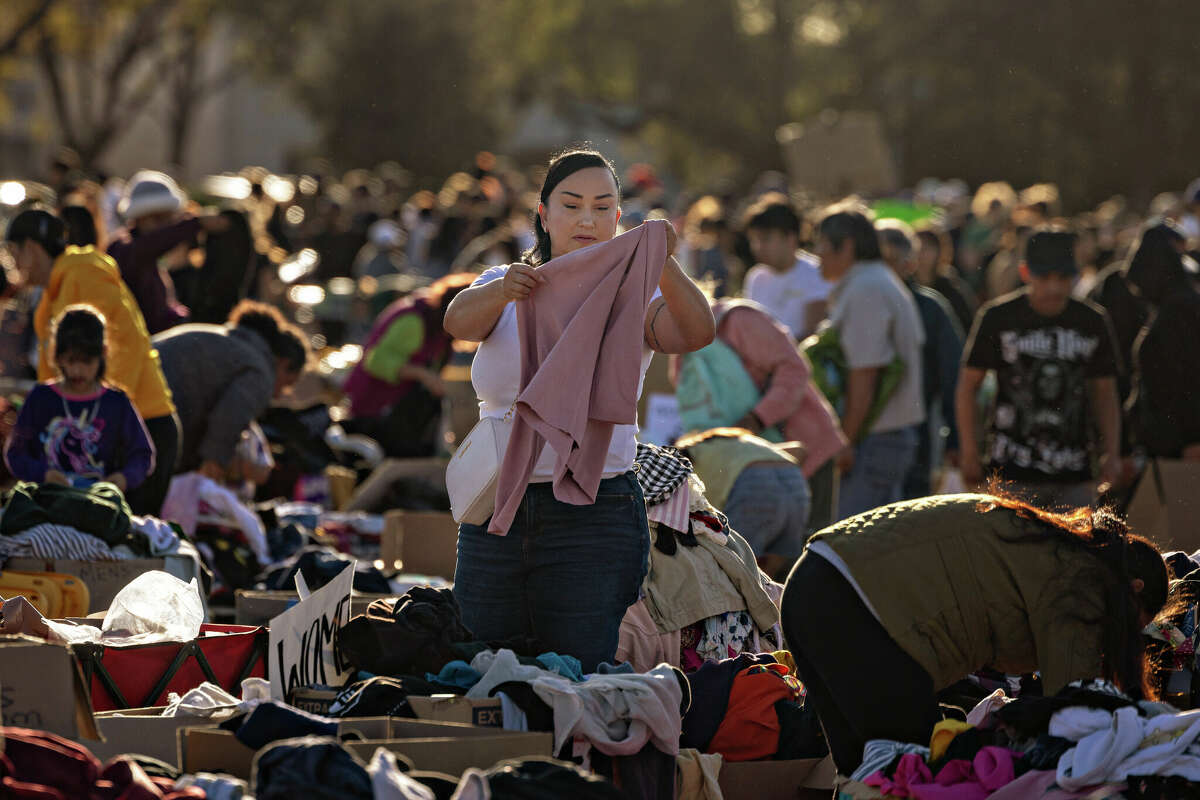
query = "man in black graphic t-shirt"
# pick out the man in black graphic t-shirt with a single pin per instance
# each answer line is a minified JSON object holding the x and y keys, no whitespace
{"x":1055,"y":365}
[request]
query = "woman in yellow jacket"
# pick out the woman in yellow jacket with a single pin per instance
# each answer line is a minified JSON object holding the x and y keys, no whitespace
{"x":885,"y":609}
{"x":70,"y":275}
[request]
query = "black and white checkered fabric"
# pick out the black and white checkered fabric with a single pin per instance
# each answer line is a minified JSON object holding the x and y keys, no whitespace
{"x":660,"y":471}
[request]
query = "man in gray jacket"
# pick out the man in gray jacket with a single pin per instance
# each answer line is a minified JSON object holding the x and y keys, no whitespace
{"x":223,"y":377}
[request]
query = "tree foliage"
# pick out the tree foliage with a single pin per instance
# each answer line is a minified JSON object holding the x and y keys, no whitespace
{"x":1099,"y":97}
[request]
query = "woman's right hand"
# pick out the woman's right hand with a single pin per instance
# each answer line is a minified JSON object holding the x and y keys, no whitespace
{"x":520,"y":281}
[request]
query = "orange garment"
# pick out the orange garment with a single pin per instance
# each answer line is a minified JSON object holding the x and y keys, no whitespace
{"x":750,"y":730}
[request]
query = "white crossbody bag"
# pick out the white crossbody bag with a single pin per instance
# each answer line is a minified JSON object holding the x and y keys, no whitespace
{"x":472,"y":472}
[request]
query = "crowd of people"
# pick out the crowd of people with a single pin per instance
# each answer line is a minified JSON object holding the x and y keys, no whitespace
{"x":926,"y":414}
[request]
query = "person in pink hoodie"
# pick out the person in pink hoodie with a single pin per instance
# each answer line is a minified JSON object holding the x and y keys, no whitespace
{"x":565,"y":572}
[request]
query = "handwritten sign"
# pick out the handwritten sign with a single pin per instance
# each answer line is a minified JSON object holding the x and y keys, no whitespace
{"x":303,"y":640}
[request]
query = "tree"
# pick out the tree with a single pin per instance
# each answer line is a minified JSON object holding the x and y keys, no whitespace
{"x":396,"y":80}
{"x":103,"y":64}
{"x":105,"y":61}
{"x":24,"y":18}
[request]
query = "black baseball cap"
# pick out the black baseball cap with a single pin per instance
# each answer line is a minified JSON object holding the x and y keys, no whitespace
{"x":1051,"y":251}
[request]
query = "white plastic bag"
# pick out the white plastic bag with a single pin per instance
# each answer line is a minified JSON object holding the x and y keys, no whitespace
{"x":154,"y":607}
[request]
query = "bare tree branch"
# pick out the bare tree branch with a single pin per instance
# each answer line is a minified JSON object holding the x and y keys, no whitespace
{"x":119,"y":114}
{"x":140,"y":33}
{"x":24,"y":27}
{"x":48,"y":59}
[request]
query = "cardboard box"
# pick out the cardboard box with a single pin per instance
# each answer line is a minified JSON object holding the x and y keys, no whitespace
{"x":312,"y":700}
{"x":424,"y":542}
{"x":451,"y":749}
{"x":209,"y":749}
{"x":41,"y":687}
{"x":144,"y":731}
{"x":253,"y":607}
{"x":1166,"y":505}
{"x":105,"y":579}
{"x":483,"y":712}
{"x":801,"y":779}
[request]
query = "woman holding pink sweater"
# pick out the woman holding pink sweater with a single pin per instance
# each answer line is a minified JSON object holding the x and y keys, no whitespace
{"x":556,"y":566}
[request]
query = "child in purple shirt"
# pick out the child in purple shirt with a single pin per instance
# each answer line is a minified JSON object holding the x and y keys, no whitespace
{"x":77,"y":430}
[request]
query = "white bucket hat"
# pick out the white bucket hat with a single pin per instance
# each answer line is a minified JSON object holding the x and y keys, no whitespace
{"x":150,"y":192}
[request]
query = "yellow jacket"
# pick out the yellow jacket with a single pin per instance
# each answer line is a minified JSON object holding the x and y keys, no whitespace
{"x":85,"y":275}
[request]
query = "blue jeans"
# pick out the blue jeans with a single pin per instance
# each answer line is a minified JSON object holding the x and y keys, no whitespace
{"x":564,"y":574}
{"x":768,"y":505}
{"x":881,"y":460}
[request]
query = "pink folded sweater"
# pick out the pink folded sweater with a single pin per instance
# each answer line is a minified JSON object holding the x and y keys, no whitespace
{"x":581,"y":356}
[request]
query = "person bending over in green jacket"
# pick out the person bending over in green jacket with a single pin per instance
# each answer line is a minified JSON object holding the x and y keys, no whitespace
{"x":886,"y":608}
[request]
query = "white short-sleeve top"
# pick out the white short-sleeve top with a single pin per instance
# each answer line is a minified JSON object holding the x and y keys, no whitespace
{"x":496,"y":378}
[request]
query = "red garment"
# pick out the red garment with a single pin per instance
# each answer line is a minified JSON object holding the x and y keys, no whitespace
{"x":123,"y":779}
{"x":46,"y":760}
{"x":41,"y":766}
{"x":750,"y":730}
{"x":581,"y":356}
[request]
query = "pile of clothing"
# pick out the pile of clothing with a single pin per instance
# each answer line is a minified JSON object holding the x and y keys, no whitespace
{"x":704,"y":598}
{"x":621,"y":723}
{"x":41,"y":765}
{"x":1089,"y":740}
{"x":751,"y":708}
{"x":1173,"y":639}
{"x":48,"y":521}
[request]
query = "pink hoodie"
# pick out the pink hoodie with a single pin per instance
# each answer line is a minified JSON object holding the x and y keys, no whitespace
{"x":581,"y":353}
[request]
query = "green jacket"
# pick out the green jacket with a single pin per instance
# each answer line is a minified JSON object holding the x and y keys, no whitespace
{"x":954,"y":590}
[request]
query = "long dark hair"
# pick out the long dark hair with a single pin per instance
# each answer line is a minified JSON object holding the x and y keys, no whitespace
{"x":287,"y":342}
{"x":563,"y":166}
{"x":1105,"y":535}
{"x":42,"y":227}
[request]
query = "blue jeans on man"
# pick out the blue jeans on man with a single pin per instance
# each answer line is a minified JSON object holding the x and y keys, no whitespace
{"x":881,"y":460}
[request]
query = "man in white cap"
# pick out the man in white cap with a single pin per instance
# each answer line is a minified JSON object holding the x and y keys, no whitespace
{"x":155,"y":224}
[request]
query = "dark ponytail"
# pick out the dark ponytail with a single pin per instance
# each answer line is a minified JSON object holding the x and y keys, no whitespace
{"x":42,"y":227}
{"x":563,"y":166}
{"x":1126,"y":557}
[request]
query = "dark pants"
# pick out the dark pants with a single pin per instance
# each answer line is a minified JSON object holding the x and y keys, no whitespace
{"x":823,"y":486}
{"x":564,"y":574}
{"x":918,"y":481}
{"x":148,"y":498}
{"x":861,"y":683}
